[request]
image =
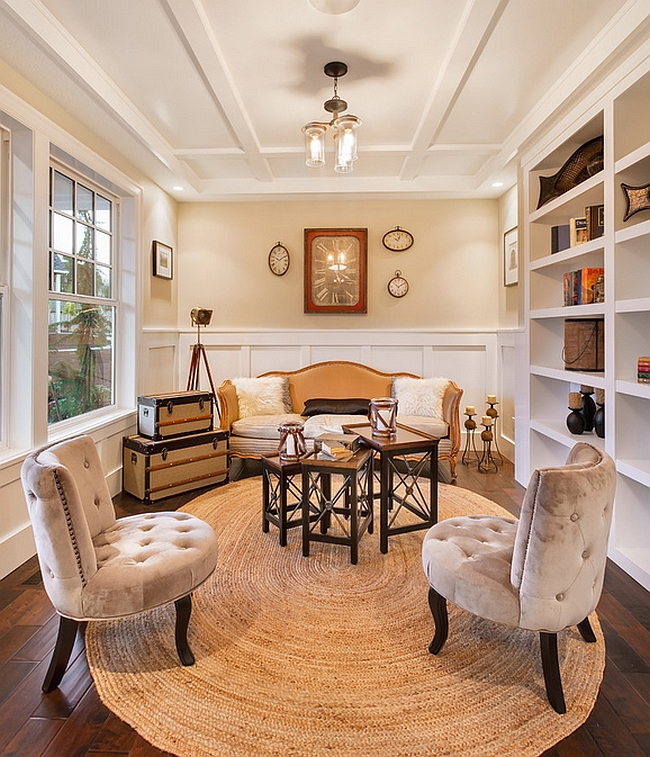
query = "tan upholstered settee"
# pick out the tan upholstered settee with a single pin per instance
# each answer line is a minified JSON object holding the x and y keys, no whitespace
{"x":430,"y":405}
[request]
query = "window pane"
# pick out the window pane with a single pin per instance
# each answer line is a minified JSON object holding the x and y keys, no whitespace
{"x":62,"y":280}
{"x":62,"y":193}
{"x":85,"y":274}
{"x":102,"y":281}
{"x":102,"y":248}
{"x":80,"y":358}
{"x":104,"y":212}
{"x":84,"y":203}
{"x":62,"y":231}
{"x":84,"y":241}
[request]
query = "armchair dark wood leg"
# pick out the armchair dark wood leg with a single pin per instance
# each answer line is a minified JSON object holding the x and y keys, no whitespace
{"x":183,"y":612}
{"x":438,"y":605}
{"x":551,"y":668}
{"x":586,"y":631}
{"x":62,"y":650}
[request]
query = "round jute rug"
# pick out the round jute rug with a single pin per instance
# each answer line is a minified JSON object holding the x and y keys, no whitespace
{"x":307,"y":657}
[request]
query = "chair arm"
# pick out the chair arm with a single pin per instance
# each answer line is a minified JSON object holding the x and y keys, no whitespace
{"x":451,"y":414}
{"x":228,"y":404}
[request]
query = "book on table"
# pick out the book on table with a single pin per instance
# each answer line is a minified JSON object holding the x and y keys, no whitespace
{"x":332,"y":446}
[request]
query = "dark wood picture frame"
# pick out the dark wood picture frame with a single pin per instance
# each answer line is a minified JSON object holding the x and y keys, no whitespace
{"x":163,"y":260}
{"x":336,"y":271}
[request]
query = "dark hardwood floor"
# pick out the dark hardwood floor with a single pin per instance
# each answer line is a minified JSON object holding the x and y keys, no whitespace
{"x":72,"y":722}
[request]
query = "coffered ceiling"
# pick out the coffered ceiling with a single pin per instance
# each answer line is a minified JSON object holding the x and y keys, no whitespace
{"x":211,"y":95}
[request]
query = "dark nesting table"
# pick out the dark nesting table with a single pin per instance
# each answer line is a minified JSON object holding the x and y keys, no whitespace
{"x":349,"y":506}
{"x":405,"y":458}
{"x":281,"y":495}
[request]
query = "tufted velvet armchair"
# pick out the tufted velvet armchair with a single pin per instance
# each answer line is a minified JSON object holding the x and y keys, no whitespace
{"x":97,"y":567}
{"x":544,"y":572}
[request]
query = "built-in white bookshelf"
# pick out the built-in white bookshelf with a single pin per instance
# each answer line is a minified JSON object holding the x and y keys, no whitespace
{"x":622,"y":118}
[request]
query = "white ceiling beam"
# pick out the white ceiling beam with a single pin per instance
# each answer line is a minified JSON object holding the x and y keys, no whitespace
{"x":64,"y":49}
{"x":474,"y":29}
{"x":191,"y":23}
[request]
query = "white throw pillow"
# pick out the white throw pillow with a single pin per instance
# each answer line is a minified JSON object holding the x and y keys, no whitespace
{"x":419,"y":396}
{"x":262,"y":396}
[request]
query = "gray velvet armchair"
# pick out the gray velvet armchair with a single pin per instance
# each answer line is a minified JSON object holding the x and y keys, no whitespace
{"x":544,"y":572}
{"x":97,"y":567}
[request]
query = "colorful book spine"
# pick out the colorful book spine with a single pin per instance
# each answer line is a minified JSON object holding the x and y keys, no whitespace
{"x":643,"y":370}
{"x":588,"y":278}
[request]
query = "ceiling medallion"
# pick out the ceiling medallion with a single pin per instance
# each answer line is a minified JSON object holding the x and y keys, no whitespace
{"x":334,"y":7}
{"x":343,"y":125}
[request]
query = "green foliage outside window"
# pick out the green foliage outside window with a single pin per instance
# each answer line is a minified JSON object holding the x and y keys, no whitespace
{"x":80,"y":359}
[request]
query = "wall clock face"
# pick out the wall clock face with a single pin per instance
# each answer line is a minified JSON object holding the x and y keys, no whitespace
{"x":279,"y":259}
{"x":398,"y":286}
{"x":335,"y":270}
{"x":397,"y":239}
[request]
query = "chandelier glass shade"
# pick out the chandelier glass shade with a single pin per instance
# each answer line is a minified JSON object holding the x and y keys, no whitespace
{"x":344,"y":128}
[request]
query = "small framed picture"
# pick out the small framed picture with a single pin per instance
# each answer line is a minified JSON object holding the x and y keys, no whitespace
{"x":162,"y":260}
{"x":510,"y":258}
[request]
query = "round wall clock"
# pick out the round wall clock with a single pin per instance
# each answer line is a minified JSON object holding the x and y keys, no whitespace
{"x":397,"y":239}
{"x":398,"y":286}
{"x":279,"y":259}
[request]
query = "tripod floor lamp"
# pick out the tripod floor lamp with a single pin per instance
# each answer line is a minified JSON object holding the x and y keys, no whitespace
{"x":200,"y":317}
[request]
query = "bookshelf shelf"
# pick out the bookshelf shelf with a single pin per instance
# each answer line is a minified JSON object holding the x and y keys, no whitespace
{"x":622,"y":117}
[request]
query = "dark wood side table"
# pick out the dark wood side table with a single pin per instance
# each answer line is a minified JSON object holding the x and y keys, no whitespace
{"x":337,"y":501}
{"x":281,"y":495}
{"x":404,"y":459}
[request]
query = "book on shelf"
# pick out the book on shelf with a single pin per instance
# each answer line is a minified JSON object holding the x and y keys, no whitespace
{"x":595,"y":215}
{"x":579,"y":287}
{"x":578,"y":232}
{"x":331,"y":446}
{"x":560,"y":238}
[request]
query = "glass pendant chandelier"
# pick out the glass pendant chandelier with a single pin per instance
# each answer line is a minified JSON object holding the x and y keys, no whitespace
{"x":344,"y":128}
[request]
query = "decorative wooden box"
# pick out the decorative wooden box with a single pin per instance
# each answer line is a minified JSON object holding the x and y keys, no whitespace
{"x":584,"y":344}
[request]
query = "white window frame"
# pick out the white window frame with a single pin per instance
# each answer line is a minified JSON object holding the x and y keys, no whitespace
{"x":80,"y":177}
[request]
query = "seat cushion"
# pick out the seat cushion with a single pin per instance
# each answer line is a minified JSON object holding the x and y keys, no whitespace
{"x":467,"y":560}
{"x":148,"y":560}
{"x":263,"y":426}
{"x":428,"y":425}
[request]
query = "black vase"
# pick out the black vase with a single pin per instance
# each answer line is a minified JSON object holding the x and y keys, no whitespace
{"x":588,"y":410}
{"x":599,"y":421}
{"x":575,"y":422}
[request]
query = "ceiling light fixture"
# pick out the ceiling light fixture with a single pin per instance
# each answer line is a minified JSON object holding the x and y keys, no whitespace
{"x":334,"y":7}
{"x":344,"y":126}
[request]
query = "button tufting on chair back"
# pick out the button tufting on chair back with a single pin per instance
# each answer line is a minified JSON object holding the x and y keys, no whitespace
{"x":97,"y":567}
{"x":560,"y":549}
{"x":542,"y":573}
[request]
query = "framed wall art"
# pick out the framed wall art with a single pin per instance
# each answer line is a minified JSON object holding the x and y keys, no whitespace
{"x":510,"y":258}
{"x":336,"y":262}
{"x":162,"y":260}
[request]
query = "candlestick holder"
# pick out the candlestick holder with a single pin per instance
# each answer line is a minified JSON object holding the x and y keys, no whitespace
{"x":470,"y":453}
{"x":493,"y":413}
{"x":487,"y":463}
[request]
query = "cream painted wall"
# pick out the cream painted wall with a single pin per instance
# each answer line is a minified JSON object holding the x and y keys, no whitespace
{"x":453,"y":267}
{"x":510,"y":299}
{"x":160,"y":296}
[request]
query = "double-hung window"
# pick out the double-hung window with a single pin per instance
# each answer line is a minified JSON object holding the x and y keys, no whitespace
{"x":82,"y":296}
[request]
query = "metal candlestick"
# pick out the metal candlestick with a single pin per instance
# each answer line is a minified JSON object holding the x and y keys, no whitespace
{"x":470,"y":453}
{"x":494,"y":414}
{"x":487,"y":462}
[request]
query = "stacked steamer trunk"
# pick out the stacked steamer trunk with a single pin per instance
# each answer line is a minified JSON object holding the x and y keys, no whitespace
{"x":176,"y":448}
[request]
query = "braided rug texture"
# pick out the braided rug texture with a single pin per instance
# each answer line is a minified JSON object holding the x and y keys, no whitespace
{"x":315,"y":657}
